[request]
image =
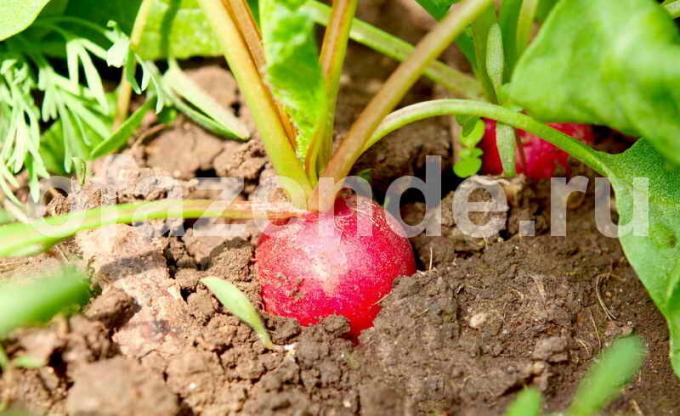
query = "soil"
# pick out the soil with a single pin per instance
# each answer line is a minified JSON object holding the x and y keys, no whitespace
{"x":480,"y":320}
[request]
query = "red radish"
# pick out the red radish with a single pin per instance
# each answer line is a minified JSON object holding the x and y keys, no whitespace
{"x":312,"y":267}
{"x":542,"y":158}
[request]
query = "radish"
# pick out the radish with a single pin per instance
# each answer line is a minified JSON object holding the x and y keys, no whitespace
{"x":542,"y":158}
{"x":316,"y":265}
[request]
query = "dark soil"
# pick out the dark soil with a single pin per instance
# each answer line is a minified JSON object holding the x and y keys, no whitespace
{"x":480,"y":321}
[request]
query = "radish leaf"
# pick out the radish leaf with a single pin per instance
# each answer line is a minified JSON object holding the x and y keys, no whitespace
{"x":17,"y":15}
{"x":656,"y":256}
{"x":174,"y":28}
{"x":238,"y":303}
{"x":603,"y":62}
{"x":293,"y":70}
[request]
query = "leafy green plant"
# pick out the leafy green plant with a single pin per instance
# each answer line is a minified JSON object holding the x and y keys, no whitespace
{"x":55,"y":120}
{"x":613,"y":369}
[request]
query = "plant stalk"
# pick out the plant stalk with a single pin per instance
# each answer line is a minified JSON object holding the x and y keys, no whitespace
{"x":395,"y":88}
{"x":333,"y":53}
{"x":245,"y":22}
{"x":21,"y":239}
{"x":448,"y":107}
{"x":125,"y":89}
{"x":457,"y":82}
{"x":258,"y":99}
{"x":525,"y":24}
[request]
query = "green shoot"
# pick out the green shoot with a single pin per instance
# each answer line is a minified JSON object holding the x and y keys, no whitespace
{"x":238,"y":304}
{"x":469,"y":157}
{"x":615,"y":367}
{"x":527,"y":403}
{"x":35,"y":301}
{"x":395,"y":88}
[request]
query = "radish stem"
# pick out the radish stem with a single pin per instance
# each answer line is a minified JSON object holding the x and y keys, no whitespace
{"x":247,"y":27}
{"x":125,"y":89}
{"x":525,"y":24}
{"x":457,"y":82}
{"x":395,"y":88}
{"x":448,"y":107}
{"x":264,"y":111}
{"x":333,"y":53}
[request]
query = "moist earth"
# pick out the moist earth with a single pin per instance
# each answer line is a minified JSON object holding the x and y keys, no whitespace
{"x":481,"y":319}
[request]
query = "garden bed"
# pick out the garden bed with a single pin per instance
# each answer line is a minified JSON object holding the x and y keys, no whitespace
{"x":477,"y":322}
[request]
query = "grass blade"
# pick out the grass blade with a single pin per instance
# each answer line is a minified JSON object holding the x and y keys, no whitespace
{"x":238,"y":304}
{"x":24,"y":303}
{"x":527,"y":403}
{"x":127,"y":129}
{"x":616,"y":366}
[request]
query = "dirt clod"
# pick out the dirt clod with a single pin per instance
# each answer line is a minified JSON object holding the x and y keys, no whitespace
{"x":119,"y":386}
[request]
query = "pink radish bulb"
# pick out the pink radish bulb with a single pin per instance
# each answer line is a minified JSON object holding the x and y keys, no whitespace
{"x":316,"y":265}
{"x":542,"y":158}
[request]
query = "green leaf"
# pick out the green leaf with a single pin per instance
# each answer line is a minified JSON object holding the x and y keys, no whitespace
{"x":615,"y":63}
{"x":123,"y":12}
{"x":238,"y":303}
{"x":527,"y":403}
{"x":655,"y":256}
{"x":119,"y":138}
{"x":293,"y":71}
{"x":17,"y":15}
{"x":174,"y":28}
{"x":615,"y":367}
{"x":437,"y":8}
{"x":204,"y":109}
{"x":472,"y":132}
{"x":27,"y":362}
{"x":177,"y":29}
{"x":470,"y":162}
{"x":34,"y":301}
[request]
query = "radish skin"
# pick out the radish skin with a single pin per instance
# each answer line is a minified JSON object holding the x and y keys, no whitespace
{"x":317,"y":266}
